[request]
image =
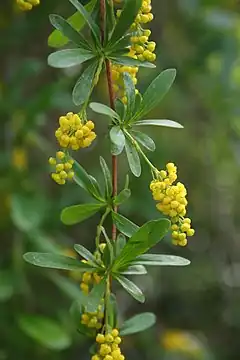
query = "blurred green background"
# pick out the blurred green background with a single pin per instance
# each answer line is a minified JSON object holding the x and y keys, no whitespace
{"x":198,"y":306}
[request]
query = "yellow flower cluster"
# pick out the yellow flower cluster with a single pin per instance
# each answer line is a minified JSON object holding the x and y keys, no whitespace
{"x":93,"y":320}
{"x":73,"y":133}
{"x":26,"y":5}
{"x":140,"y":49}
{"x":172,"y":202}
{"x":109,"y":346}
{"x":88,"y":280}
{"x":63,"y":166}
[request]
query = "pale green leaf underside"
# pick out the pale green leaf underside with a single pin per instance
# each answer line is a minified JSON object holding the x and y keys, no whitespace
{"x":161,"y":260}
{"x":77,"y":213}
{"x":131,"y":288}
{"x":67,"y":58}
{"x":159,"y":122}
{"x":138,"y":323}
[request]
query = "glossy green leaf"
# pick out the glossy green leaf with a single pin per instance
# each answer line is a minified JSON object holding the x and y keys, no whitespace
{"x":104,"y":110}
{"x":117,"y":139}
{"x":66,"y":58}
{"x":107,"y":177}
{"x":146,"y":237}
{"x":87,"y":16}
{"x":134,"y":270}
{"x":95,"y":296}
{"x":66,"y":31}
{"x":131,"y":288}
{"x":77,"y":213}
{"x":127,"y":17}
{"x":85,"y":253}
{"x":161,"y":260}
{"x":138,"y":323}
{"x":122,"y":196}
{"x":133,"y":158}
{"x":143,"y":140}
{"x":84,"y":85}
{"x":130,"y":92}
{"x":54,"y":261}
{"x":119,"y":244}
{"x":45,"y":331}
{"x":128,"y":61}
{"x":159,"y":122}
{"x":124,"y":225}
{"x":156,"y":91}
{"x":77,"y":21}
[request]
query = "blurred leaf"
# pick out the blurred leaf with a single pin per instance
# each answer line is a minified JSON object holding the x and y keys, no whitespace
{"x":133,"y":158}
{"x":144,"y":140}
{"x":45,"y":331}
{"x":122,"y":196}
{"x":6,"y":285}
{"x":70,"y":57}
{"x":77,"y":21}
{"x":112,"y":311}
{"x":161,"y":260}
{"x":146,"y":237}
{"x":124,"y":225}
{"x":157,"y":122}
{"x":131,"y":288}
{"x":138,"y":323}
{"x":134,"y":270}
{"x":84,"y":85}
{"x":107,"y":177}
{"x":54,"y":261}
{"x":118,"y":140}
{"x":70,"y":288}
{"x":77,"y":213}
{"x":104,"y":110}
{"x":130,"y":92}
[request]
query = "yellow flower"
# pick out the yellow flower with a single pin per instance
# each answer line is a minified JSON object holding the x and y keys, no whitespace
{"x":108,"y":346}
{"x":63,"y":165}
{"x":26,"y":5}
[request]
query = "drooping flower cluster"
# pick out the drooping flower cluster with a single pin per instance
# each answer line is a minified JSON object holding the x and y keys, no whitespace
{"x":140,"y":48}
{"x":172,"y":202}
{"x":73,"y":133}
{"x":63,"y":167}
{"x":26,"y":5}
{"x":109,"y":346}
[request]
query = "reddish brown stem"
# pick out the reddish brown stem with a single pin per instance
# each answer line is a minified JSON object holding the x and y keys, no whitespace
{"x":111,"y":100}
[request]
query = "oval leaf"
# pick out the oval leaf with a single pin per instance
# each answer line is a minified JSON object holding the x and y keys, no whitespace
{"x":135,"y":270}
{"x":118,"y":140}
{"x":45,"y":331}
{"x":144,"y":140}
{"x":77,"y":213}
{"x":54,"y":261}
{"x":159,"y":122}
{"x":138,"y":323}
{"x":83,"y":86}
{"x":161,"y":260}
{"x":104,"y":110}
{"x":70,"y":57}
{"x":131,"y":288}
{"x":85,"y":253}
{"x":124,"y":225}
{"x":133,"y":158}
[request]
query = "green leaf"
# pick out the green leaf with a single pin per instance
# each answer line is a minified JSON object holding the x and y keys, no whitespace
{"x":131,"y":288}
{"x":161,"y":260}
{"x":156,"y":91}
{"x":144,"y":140}
{"x":45,"y":331}
{"x":128,"y":61}
{"x":133,"y":158}
{"x":84,"y":85}
{"x":124,"y":225}
{"x":127,"y":17}
{"x":130,"y":93}
{"x":104,"y":110}
{"x":120,"y":109}
{"x":119,"y":244}
{"x":146,"y":237}
{"x":87,"y":16}
{"x":77,"y":21}
{"x":134,"y":270}
{"x":77,"y":213}
{"x":95,"y":296}
{"x":85,"y":253}
{"x":66,"y":31}
{"x":6,"y":285}
{"x":83,"y":179}
{"x":54,"y":261}
{"x":138,"y":323}
{"x":122,"y":196}
{"x":138,"y":102}
{"x":70,"y":57}
{"x":112,"y":311}
{"x":158,"y":122}
{"x":107,"y":177}
{"x":118,"y":140}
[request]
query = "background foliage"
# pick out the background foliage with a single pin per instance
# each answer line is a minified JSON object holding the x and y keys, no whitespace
{"x":197,"y":306}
